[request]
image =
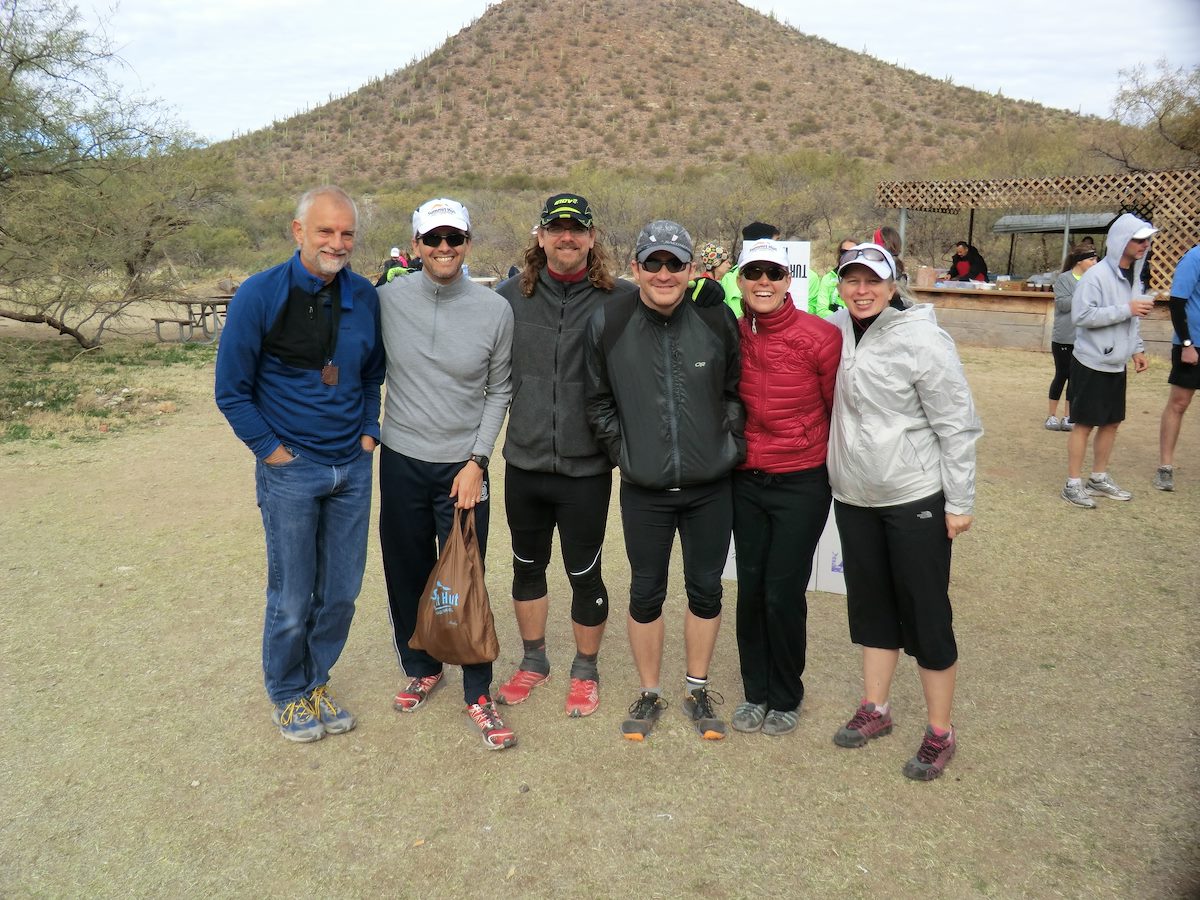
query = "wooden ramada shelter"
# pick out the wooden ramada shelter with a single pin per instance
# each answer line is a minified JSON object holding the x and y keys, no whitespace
{"x":1169,"y":199}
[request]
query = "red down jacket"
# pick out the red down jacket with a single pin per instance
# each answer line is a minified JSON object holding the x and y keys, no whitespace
{"x":789,"y":366}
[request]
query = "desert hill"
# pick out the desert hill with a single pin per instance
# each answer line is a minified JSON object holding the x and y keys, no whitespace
{"x":535,"y":87}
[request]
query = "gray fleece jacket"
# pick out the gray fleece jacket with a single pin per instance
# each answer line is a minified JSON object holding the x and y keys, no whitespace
{"x":1106,"y":332}
{"x":449,"y":367}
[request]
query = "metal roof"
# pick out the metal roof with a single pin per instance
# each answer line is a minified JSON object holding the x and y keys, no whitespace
{"x":1081,"y":223}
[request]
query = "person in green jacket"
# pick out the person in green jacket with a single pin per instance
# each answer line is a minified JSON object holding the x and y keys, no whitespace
{"x":823,"y":292}
{"x":755,"y":231}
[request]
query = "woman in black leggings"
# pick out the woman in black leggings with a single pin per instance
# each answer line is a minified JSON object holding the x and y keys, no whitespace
{"x":1062,"y":340}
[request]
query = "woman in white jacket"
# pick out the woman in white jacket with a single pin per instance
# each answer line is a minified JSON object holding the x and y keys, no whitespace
{"x":902,"y":469}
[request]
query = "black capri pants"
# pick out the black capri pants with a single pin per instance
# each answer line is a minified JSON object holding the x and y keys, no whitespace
{"x":535,"y":503}
{"x":897,"y":569}
{"x":703,"y":516}
{"x":1062,"y":368}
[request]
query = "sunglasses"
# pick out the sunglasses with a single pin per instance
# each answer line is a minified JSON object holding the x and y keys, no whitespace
{"x":557,"y":226}
{"x":867,"y":253}
{"x":755,"y":272}
{"x":453,"y":239}
{"x":673,"y":264}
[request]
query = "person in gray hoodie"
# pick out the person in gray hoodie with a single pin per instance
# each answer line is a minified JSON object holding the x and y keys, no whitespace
{"x":449,"y":382}
{"x":1106,"y":313}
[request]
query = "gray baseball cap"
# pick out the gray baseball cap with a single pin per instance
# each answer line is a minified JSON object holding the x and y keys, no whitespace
{"x":663,"y":234}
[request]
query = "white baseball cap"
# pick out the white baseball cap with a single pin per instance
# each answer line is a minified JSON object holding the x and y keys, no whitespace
{"x":764,"y":251}
{"x":1142,"y":233}
{"x":440,"y":213}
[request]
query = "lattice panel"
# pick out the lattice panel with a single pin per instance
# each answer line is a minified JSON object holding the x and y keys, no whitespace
{"x":1172,"y":196}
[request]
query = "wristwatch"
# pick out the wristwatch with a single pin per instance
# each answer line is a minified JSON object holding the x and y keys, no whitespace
{"x":480,"y":461}
{"x":1188,"y":342}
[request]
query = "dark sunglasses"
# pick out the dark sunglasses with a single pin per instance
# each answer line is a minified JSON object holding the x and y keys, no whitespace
{"x":453,"y":239}
{"x":674,"y":264}
{"x":869,"y":253}
{"x":557,"y":226}
{"x":774,"y":273}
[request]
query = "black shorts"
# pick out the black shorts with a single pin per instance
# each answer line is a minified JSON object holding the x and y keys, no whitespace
{"x":1182,"y":375}
{"x":1097,"y":398}
{"x":897,"y":568}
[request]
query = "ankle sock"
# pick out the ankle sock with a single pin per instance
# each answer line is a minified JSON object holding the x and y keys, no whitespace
{"x":535,"y":659}
{"x":1098,"y":476}
{"x":584,"y":666}
{"x":691,"y":682}
{"x":1074,"y":482}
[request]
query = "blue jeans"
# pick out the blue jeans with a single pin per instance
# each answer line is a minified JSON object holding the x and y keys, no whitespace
{"x":316,"y":519}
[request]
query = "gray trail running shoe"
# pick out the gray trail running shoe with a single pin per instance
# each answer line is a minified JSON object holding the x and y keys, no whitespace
{"x":644,"y":712}
{"x":1106,"y":487}
{"x":1065,"y":424}
{"x":1078,"y":495}
{"x":1052,"y":423}
{"x":698,"y":706}
{"x":781,"y":721}
{"x":748,"y":717}
{"x":1164,"y":478}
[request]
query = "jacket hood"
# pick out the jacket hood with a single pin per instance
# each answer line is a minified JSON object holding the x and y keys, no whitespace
{"x":1119,"y":234}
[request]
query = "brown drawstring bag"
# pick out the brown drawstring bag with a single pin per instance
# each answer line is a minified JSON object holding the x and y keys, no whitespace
{"x":454,"y":616}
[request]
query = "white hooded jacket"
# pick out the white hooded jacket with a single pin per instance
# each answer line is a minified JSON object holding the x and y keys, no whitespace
{"x":904,"y":425}
{"x":1106,"y":331}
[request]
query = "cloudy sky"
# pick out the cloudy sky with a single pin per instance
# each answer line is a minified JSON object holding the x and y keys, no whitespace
{"x":231,"y":66}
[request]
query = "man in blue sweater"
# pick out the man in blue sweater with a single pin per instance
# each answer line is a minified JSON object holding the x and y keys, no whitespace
{"x":298,"y":377}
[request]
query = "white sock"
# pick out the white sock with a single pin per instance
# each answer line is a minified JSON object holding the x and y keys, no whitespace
{"x":1074,"y":482}
{"x":1099,"y":476}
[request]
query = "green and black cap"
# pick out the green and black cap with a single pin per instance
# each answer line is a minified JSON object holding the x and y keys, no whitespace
{"x":567,"y":206}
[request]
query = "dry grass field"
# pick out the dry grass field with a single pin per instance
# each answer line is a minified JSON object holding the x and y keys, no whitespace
{"x":138,"y":758}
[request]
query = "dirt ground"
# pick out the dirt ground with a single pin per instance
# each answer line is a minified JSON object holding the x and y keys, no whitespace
{"x":138,"y":758}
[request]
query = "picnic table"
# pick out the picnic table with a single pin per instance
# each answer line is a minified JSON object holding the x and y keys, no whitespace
{"x":205,"y":315}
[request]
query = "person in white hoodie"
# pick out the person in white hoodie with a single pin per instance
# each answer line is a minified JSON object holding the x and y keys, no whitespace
{"x":1106,"y":313}
{"x":902,"y":469}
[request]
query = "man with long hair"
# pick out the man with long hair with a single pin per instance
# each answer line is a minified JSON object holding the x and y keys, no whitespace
{"x":556,"y":475}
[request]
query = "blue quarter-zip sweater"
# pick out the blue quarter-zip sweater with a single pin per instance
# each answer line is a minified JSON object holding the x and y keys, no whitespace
{"x":269,"y":402}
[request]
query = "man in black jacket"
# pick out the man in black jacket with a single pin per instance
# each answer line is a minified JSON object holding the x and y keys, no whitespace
{"x":662,"y":398}
{"x":556,"y":474}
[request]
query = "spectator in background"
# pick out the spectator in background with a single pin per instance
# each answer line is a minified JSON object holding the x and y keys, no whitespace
{"x":889,"y":238}
{"x":822,"y":292}
{"x":298,"y":376}
{"x":755,"y":231}
{"x":781,"y":492}
{"x":715,"y":261}
{"x":967,"y":264}
{"x":902,"y":469}
{"x":1062,"y":338}
{"x":1185,"y":368}
{"x":1106,"y":313}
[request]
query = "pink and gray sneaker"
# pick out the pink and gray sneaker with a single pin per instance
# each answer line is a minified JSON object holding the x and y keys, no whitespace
{"x":935,"y":751}
{"x":866,"y":723}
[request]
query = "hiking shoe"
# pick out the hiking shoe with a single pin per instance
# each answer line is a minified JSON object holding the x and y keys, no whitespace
{"x":779,"y":722}
{"x":748,"y":717}
{"x":496,"y":735}
{"x":1052,"y":423}
{"x":1164,"y":478}
{"x":1106,"y":487}
{"x":1065,"y":424}
{"x":643,"y":713}
{"x":866,"y":724}
{"x":417,"y":692}
{"x":931,"y":758}
{"x":583,"y":697}
{"x":297,"y":720}
{"x":698,"y":706}
{"x":1078,"y":495}
{"x":516,"y":689}
{"x":333,"y":718}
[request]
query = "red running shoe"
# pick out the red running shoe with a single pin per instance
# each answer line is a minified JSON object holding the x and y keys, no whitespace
{"x":516,"y":689}
{"x":417,"y":692}
{"x":496,"y":735}
{"x":583,"y":697}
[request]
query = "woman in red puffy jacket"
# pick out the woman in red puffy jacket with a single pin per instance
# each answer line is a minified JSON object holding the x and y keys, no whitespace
{"x":781,"y":493}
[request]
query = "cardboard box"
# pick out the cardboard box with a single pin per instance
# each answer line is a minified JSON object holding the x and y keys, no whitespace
{"x":1011,"y":285}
